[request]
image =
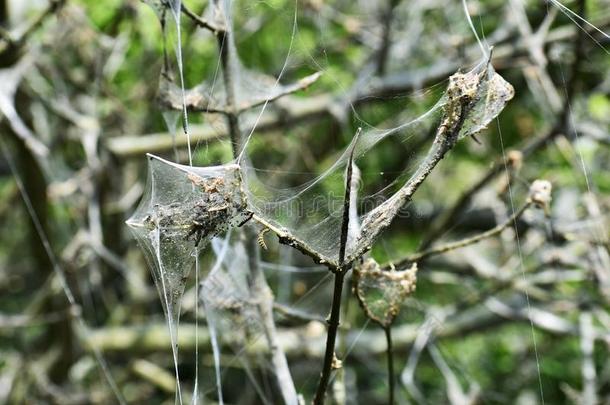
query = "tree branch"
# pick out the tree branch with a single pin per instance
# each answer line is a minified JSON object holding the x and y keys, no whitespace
{"x":295,"y":110}
{"x":202,"y":22}
{"x":258,"y":282}
{"x":299,"y":342}
{"x":416,"y":257}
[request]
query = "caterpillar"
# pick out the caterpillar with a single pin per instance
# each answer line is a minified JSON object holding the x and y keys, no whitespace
{"x":261,"y":238}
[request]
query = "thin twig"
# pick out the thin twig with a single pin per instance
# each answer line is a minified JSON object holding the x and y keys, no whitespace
{"x":198,"y":99}
{"x":286,"y":238}
{"x":390,"y":360}
{"x":466,"y":241}
{"x":202,"y":22}
{"x":333,"y":326}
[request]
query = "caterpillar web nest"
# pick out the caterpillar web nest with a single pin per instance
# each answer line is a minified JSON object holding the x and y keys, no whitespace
{"x":381,"y":293}
{"x":311,"y":216}
{"x":182,"y":209}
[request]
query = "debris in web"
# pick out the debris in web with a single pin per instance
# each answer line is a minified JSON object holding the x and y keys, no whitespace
{"x":182,"y":209}
{"x":489,"y":91}
{"x":185,"y":203}
{"x":381,"y":293}
{"x":254,"y":89}
{"x":251,"y":88}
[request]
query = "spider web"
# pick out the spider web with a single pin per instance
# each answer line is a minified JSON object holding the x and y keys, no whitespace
{"x":312,"y":212}
{"x":182,"y":209}
{"x":233,"y":310}
{"x":185,"y":207}
{"x":161,"y":226}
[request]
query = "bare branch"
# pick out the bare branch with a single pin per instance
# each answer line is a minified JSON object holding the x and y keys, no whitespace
{"x":216,"y":29}
{"x":416,"y":257}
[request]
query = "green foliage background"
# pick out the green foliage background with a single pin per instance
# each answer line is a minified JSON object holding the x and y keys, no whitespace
{"x":498,"y":355}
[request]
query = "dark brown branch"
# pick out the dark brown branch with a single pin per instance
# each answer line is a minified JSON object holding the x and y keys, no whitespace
{"x":202,"y":22}
{"x":333,"y":326}
{"x":390,"y":360}
{"x":387,"y":18}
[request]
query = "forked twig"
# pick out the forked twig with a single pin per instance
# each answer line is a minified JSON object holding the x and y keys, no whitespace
{"x":463,"y":97}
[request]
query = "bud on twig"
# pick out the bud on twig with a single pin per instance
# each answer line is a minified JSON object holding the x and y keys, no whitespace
{"x":540,"y":194}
